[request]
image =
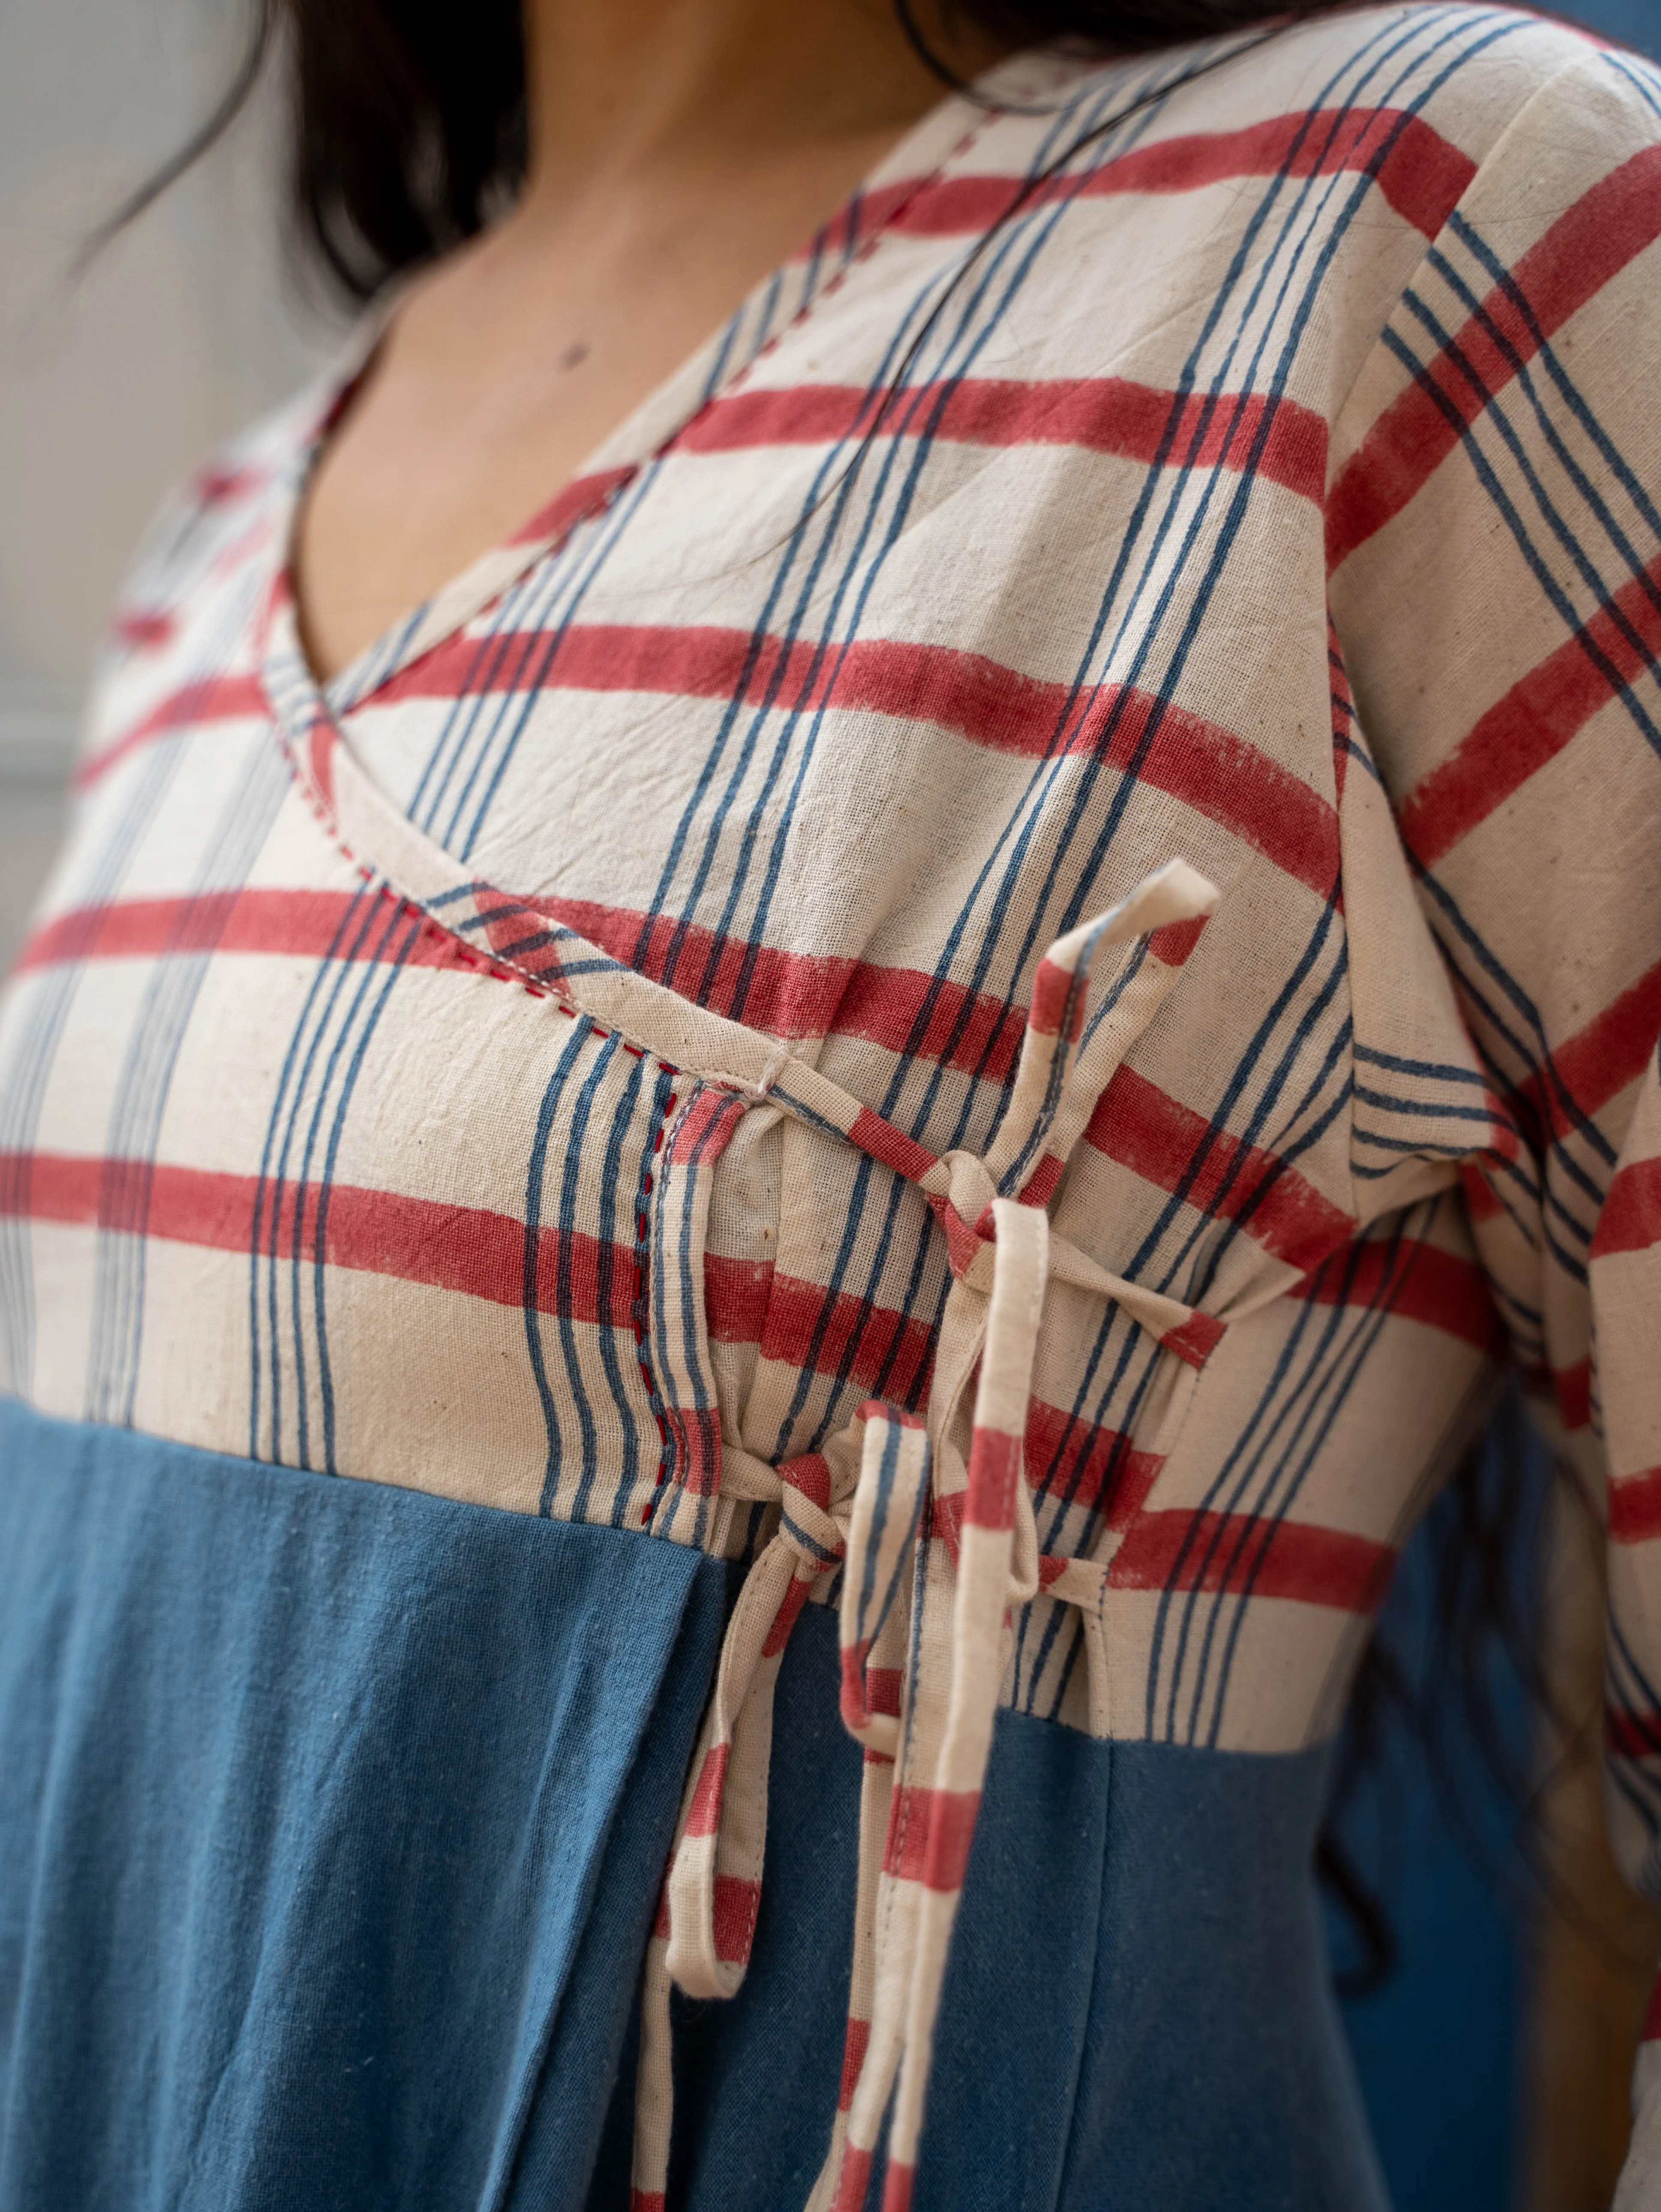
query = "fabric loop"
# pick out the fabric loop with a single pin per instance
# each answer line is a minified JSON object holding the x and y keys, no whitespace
{"x":935,"y":1547}
{"x":950,"y":1707}
{"x":714,"y":1887}
{"x":888,"y":1507}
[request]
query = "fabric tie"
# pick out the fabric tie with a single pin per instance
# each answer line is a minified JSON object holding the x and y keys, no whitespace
{"x":944,"y":1506}
{"x":712,"y":1892}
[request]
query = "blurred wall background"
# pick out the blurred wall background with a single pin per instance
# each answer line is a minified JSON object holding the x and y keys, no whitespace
{"x":113,"y":382}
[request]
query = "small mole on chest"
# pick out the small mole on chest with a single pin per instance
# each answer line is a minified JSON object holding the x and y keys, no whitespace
{"x":574,"y":356}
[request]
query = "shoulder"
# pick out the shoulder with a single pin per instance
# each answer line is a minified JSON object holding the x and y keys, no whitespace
{"x":211,"y":520}
{"x":1424,"y":91}
{"x":185,"y":614}
{"x":1468,"y":70}
{"x":1306,"y":173}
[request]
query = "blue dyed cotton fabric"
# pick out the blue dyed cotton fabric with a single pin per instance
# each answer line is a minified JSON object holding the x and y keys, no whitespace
{"x":332,"y":1818}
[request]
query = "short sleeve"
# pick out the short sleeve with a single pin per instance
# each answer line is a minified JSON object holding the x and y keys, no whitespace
{"x":1494,"y":542}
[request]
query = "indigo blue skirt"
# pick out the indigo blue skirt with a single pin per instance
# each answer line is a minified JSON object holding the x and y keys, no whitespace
{"x":332,"y":1818}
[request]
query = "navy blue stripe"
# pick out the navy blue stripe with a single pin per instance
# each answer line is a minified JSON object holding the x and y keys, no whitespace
{"x":536,"y":1174}
{"x":576,"y":1169}
{"x":373,"y":1005}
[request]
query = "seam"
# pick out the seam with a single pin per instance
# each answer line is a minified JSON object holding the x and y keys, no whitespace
{"x":640,"y":1312}
{"x":466,"y":955}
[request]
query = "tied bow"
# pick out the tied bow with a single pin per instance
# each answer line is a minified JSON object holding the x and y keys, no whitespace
{"x":944,"y":1507}
{"x":867,"y":1507}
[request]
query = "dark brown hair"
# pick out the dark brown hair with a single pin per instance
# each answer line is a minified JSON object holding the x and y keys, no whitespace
{"x":408,"y":115}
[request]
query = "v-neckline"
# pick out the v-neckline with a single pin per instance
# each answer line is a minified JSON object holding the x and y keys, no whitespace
{"x":700,"y":379}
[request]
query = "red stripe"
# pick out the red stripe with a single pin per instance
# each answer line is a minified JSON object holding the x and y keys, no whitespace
{"x":796,"y":994}
{"x":897,"y":2182}
{"x":140,"y":629}
{"x":889,"y":1146}
{"x":810,"y":1475}
{"x":792,"y":995}
{"x":304,"y":924}
{"x":1178,"y":1550}
{"x":1210,"y":768}
{"x":851,"y":1697}
{"x":696,"y":1432}
{"x":1430,"y":1285}
{"x":1633,"y":1735}
{"x":703,"y":1813}
{"x":1572,"y":1386}
{"x":705,"y":1130}
{"x":1537,"y":717}
{"x":1066,"y":1453}
{"x":930,"y":1832}
{"x":855,"y":2180}
{"x":1044,"y":1181}
{"x":1631,"y":1219}
{"x":878,"y":1409}
{"x":853,"y":2057}
{"x":1588,"y":1069}
{"x":748,"y":1303}
{"x":412,"y":1240}
{"x":995,"y":1469}
{"x":1276,"y":438}
{"x":1421,"y":175}
{"x":1168,"y":1143}
{"x":868,"y":1689}
{"x":1174,"y":942}
{"x":1054,"y":1002}
{"x":962,"y":1243}
{"x":214,"y":699}
{"x":1635,"y":1507}
{"x":1605,"y":230}
{"x":883,"y":1686}
{"x":944,"y":1520}
{"x":736,"y":1904}
{"x":1196,"y":1339}
{"x":865,"y":1340}
{"x":785,"y":1619}
{"x":319,"y":756}
{"x":581,"y":497}
{"x":215,"y":485}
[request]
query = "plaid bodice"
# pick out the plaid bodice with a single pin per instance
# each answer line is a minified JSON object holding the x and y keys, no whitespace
{"x":992,"y":971}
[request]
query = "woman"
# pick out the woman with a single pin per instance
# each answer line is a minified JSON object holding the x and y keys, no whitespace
{"x":788,"y":1089}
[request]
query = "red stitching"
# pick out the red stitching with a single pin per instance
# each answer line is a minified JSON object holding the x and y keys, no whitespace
{"x":499,"y":971}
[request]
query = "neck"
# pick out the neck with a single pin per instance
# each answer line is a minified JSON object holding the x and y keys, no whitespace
{"x":621,"y":90}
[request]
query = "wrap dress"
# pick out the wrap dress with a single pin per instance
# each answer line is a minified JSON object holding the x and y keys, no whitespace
{"x":722,"y":1289}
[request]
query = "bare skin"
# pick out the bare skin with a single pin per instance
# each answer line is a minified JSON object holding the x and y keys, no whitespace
{"x":679,"y":150}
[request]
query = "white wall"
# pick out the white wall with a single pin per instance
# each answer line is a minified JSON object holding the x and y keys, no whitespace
{"x":113,"y":383}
